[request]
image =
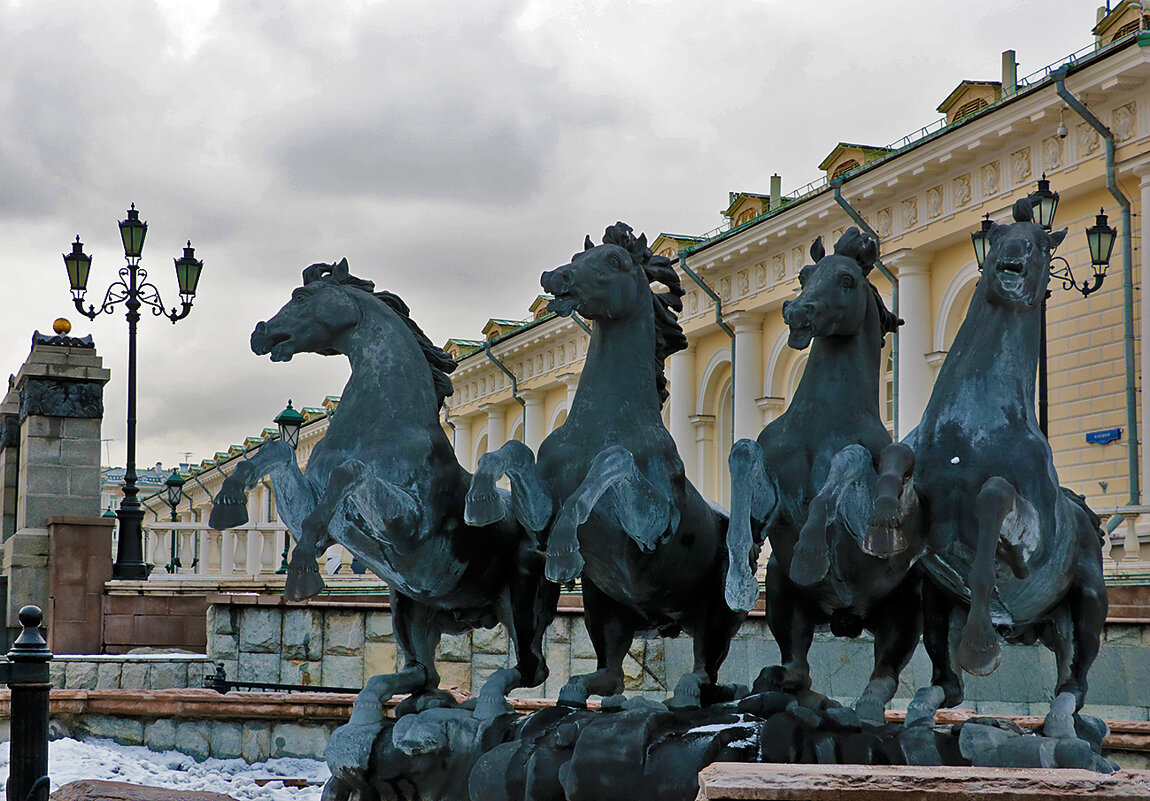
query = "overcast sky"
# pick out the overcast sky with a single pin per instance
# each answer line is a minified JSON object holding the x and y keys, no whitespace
{"x":450,"y":150}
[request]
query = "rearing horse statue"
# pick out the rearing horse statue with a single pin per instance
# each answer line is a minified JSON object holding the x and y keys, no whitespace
{"x":608,"y":493}
{"x":385,"y":484}
{"x":807,"y":485}
{"x":1009,"y":551}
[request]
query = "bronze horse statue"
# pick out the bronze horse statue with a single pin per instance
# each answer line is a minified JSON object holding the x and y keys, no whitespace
{"x":1009,"y":551}
{"x":608,"y":493}
{"x":384,"y":483}
{"x":807,"y":485}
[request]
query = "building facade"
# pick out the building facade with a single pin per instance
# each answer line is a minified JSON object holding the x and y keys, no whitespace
{"x":922,"y":196}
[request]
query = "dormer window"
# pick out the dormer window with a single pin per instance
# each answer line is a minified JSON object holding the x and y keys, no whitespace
{"x":845,"y":167}
{"x":971,"y":107}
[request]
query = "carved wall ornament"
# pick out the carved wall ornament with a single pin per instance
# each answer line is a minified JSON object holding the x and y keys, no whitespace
{"x":778,"y":267}
{"x":1020,"y":165}
{"x":692,"y":302}
{"x":550,"y":360}
{"x":884,"y":222}
{"x":744,"y":284}
{"x":1125,"y":122}
{"x":910,"y":212}
{"x":990,"y":179}
{"x":761,"y":275}
{"x":725,"y":288}
{"x":961,"y":189}
{"x":1088,"y":140}
{"x":1051,"y":153}
{"x":837,"y":234}
{"x":798,"y":259}
{"x":48,"y":398}
{"x":934,"y":202}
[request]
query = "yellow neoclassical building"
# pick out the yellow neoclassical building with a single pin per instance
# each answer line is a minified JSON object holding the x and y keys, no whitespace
{"x":1084,"y":123}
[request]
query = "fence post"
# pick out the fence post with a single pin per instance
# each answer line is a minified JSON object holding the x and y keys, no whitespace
{"x":26,"y":674}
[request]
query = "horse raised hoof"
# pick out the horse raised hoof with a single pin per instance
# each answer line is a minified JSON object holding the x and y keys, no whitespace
{"x":979,"y":653}
{"x":303,"y":579}
{"x":483,"y":506}
{"x":563,"y":566}
{"x":229,"y":510}
{"x":884,"y":537}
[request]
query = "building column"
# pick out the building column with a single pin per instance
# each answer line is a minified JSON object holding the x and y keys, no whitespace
{"x":571,"y":381}
{"x":681,"y":372}
{"x":704,"y":431}
{"x":770,"y":407}
{"x":747,"y":372}
{"x":915,"y":375}
{"x":496,"y":426}
{"x":534,"y":422}
{"x":1143,"y":280}
{"x":463,"y":442}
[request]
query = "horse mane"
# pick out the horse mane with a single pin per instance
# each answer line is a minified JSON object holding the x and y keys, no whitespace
{"x":669,"y":336}
{"x":438,"y":361}
{"x":863,"y":249}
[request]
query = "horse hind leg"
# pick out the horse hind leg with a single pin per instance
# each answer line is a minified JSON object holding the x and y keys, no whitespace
{"x":897,"y":625}
{"x":611,"y":635}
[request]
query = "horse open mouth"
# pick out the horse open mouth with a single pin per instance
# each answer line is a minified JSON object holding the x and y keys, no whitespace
{"x":1011,"y":275}
{"x":277,"y":343}
{"x":563,"y":304}
{"x":801,"y":336}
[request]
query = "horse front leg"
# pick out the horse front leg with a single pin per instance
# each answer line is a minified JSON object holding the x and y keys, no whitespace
{"x":230,"y":506}
{"x":754,"y":498}
{"x":979,"y":652}
{"x":845,"y":498}
{"x":360,"y":512}
{"x":530,"y":502}
{"x":885,"y":536}
{"x":611,"y":634}
{"x":642,"y":508}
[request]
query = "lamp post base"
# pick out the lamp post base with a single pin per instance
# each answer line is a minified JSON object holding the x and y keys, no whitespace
{"x":129,"y":564}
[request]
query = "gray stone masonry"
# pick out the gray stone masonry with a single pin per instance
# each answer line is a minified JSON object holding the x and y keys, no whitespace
{"x":338,"y":646}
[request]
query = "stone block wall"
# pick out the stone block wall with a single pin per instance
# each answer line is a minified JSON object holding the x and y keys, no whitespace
{"x":129,"y":672}
{"x":341,"y":644}
{"x":79,"y":564}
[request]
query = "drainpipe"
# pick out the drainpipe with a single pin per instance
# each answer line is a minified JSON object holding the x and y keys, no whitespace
{"x":718,"y":319}
{"x":1059,"y":76}
{"x":514,"y":385}
{"x":579,"y":322}
{"x":837,"y":184}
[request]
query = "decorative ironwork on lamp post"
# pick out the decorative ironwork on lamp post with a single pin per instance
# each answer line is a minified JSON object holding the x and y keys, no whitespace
{"x":134,"y":291}
{"x":1100,"y":239}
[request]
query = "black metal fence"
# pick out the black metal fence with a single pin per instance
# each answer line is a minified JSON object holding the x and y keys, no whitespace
{"x":26,"y":674}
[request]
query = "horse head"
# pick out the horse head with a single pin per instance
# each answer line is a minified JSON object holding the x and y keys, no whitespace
{"x":836,"y":292}
{"x":612,"y":281}
{"x":318,"y":312}
{"x":1016,"y":269}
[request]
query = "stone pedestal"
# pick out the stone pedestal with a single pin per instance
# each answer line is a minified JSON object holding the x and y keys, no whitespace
{"x":49,"y":458}
{"x":79,"y":564}
{"x":902,"y":783}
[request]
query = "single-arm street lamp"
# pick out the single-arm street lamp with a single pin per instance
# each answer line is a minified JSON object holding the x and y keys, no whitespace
{"x":1100,"y":241}
{"x":289,"y":422}
{"x":135,"y":291}
{"x":173,"y":494}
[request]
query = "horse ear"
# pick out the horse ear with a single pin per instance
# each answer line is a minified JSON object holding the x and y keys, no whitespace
{"x":1057,"y":237}
{"x":868,"y":254}
{"x":641,"y":242}
{"x":818,"y":252}
{"x":340,"y":269}
{"x":587,"y":243}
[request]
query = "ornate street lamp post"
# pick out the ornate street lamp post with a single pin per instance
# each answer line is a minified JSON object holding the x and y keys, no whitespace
{"x":1100,"y":241}
{"x":173,"y":494}
{"x":289,"y":422}
{"x":135,"y":291}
